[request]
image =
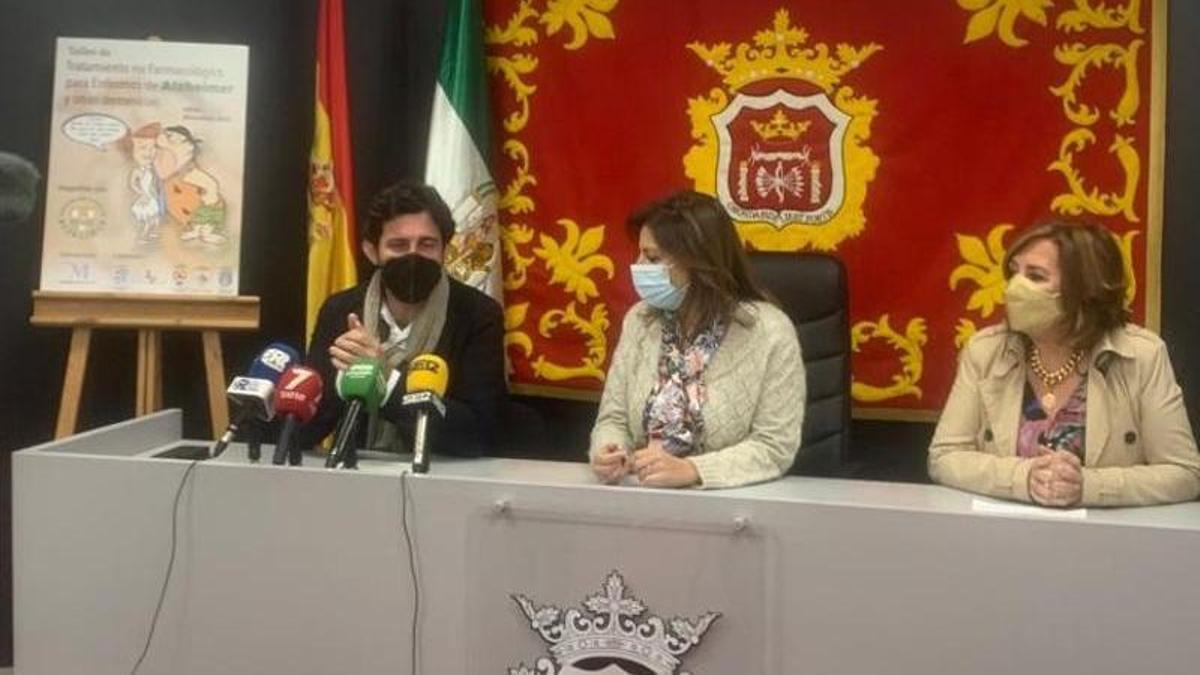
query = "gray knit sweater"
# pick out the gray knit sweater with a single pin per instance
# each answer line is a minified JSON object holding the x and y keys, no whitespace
{"x":755,"y":403}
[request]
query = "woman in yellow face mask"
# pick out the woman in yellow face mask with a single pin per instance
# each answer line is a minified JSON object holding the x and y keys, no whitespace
{"x":1066,"y":403}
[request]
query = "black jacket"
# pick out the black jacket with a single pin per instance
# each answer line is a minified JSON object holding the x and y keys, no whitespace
{"x":472,"y":343}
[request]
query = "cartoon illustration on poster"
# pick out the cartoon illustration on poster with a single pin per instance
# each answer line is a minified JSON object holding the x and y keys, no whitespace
{"x":144,"y":187}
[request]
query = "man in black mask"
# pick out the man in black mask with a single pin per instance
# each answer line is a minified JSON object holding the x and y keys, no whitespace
{"x":407,"y":307}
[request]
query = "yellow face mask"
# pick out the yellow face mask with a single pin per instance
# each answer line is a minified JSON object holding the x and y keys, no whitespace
{"x":1031,"y":309}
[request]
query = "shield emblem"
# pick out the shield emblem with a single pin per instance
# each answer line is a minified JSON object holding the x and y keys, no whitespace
{"x":780,"y":158}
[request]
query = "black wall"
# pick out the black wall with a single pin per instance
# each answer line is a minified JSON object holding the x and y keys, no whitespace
{"x":392,"y":48}
{"x":392,"y":51}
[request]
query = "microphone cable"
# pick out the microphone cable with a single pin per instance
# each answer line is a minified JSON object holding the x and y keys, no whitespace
{"x":412,"y":565}
{"x":162,"y":594}
{"x":405,"y":498}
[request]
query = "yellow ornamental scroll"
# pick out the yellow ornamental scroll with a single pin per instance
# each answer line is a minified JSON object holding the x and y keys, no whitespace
{"x":1083,"y":58}
{"x":910,"y":346}
{"x":572,"y":260}
{"x":1087,"y":15}
{"x":1081,"y":198}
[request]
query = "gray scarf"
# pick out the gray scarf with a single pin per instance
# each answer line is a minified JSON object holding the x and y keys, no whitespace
{"x":424,"y":332}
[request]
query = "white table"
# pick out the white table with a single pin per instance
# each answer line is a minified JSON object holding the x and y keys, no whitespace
{"x":304,"y":570}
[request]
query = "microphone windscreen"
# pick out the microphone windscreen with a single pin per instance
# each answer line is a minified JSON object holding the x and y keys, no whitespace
{"x":18,"y":188}
{"x":273,"y":360}
{"x":363,"y":381}
{"x":299,"y":393}
{"x":253,"y":396}
{"x":427,"y":372}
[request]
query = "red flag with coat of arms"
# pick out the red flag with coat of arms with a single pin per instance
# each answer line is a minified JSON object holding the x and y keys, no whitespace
{"x":909,"y":139}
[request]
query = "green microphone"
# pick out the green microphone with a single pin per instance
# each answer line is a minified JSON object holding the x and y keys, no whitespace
{"x":362,"y":386}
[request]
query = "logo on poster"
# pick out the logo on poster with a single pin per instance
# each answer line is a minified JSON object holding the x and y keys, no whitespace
{"x":82,"y":218}
{"x":608,"y":636}
{"x":77,"y":272}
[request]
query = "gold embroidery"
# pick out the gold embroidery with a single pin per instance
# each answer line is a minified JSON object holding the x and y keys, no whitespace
{"x":912,"y":358}
{"x":1000,"y":17}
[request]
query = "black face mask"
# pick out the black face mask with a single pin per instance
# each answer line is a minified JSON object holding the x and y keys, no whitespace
{"x":412,"y":277}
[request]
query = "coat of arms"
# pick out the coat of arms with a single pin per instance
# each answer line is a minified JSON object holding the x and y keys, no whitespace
{"x":610,"y":636}
{"x":782,"y":145}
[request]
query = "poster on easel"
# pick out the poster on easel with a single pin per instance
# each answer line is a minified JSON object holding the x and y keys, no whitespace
{"x":144,"y":183}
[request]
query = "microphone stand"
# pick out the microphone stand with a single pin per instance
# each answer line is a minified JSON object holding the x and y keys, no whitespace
{"x":254,"y":443}
{"x":343,"y":453}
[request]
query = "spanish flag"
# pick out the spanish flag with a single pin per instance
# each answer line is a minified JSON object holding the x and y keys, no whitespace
{"x":331,"y":233}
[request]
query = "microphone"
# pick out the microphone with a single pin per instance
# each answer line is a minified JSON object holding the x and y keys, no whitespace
{"x":18,"y":188}
{"x":253,"y":393}
{"x":425,"y":385}
{"x":362,"y":386}
{"x":296,"y":399}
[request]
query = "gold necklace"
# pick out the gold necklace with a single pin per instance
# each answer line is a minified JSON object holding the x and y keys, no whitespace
{"x":1050,"y":380}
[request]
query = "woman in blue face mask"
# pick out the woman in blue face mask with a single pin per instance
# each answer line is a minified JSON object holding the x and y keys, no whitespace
{"x":706,"y":386}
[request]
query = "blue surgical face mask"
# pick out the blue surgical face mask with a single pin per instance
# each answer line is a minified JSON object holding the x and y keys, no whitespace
{"x":653,"y":283}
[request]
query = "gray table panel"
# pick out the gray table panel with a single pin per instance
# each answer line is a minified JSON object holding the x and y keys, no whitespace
{"x":301,"y":570}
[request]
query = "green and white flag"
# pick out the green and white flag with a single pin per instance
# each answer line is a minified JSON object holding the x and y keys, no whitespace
{"x":457,"y":163}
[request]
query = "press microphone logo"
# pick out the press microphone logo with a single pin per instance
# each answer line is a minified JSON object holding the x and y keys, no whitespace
{"x":298,"y":385}
{"x":426,"y":364}
{"x":427,"y":372}
{"x":276,"y":359}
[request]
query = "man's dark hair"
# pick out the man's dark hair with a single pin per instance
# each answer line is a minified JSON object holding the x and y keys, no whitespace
{"x":402,"y":198}
{"x":185,"y":132}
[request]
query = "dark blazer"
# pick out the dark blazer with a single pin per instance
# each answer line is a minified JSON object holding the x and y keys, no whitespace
{"x":472,"y":343}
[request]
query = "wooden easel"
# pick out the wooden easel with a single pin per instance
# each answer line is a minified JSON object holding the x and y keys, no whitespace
{"x":149,"y":315}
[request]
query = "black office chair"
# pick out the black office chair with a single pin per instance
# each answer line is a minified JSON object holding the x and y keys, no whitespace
{"x":811,"y":288}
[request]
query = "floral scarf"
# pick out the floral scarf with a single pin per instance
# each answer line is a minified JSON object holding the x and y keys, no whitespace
{"x":673,"y":410}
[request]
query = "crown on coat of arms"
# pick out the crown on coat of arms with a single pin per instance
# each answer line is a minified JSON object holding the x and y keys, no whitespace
{"x":611,"y":628}
{"x":781,"y":52}
{"x":780,"y":127}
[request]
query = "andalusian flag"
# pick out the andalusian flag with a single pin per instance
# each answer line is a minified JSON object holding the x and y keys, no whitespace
{"x":331,"y":234}
{"x":457,"y":163}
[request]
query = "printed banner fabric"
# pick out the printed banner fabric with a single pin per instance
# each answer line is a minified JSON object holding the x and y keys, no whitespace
{"x":910,"y":139}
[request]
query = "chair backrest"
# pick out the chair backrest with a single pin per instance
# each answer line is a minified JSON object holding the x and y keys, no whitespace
{"x":811,"y":288}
